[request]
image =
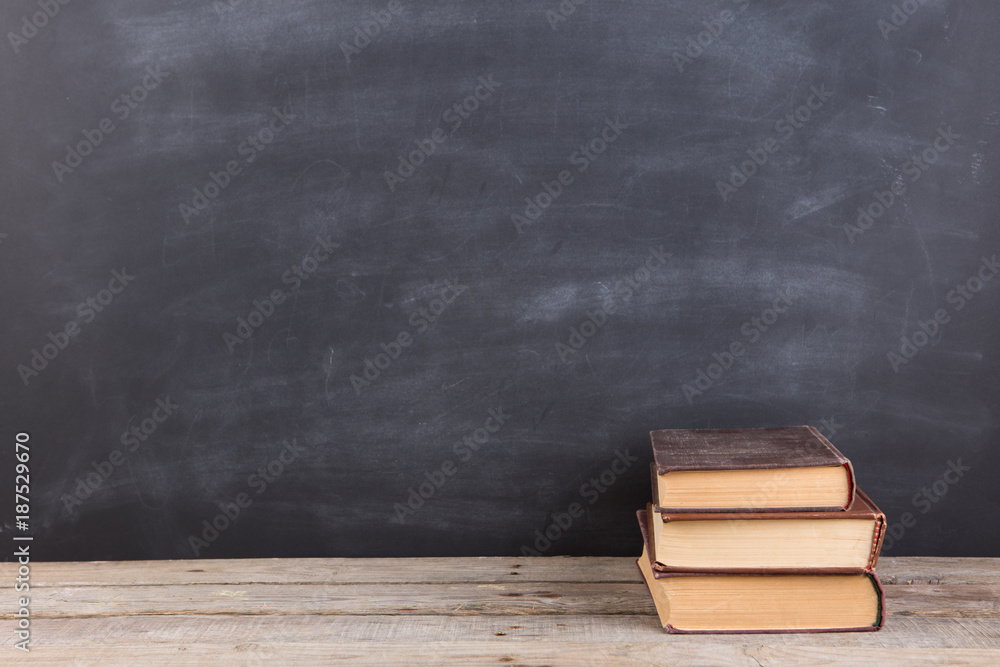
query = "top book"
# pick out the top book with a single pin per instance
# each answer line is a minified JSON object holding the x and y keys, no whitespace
{"x":749,"y":469}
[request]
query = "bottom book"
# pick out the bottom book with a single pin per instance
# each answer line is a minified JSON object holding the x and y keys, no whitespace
{"x":727,"y":603}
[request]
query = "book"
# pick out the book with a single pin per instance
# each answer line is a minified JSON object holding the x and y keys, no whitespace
{"x":841,"y":541}
{"x":740,"y":469}
{"x":767,"y":603}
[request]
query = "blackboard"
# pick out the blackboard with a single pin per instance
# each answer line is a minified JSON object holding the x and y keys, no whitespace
{"x":399,"y":279}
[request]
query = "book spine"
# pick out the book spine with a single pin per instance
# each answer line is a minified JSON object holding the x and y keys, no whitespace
{"x":653,"y":482}
{"x":881,"y":600}
{"x":852,"y":488}
{"x":877,"y":537}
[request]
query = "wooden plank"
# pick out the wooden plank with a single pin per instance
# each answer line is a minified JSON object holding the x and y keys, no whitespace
{"x":432,"y":570}
{"x":957,"y":600}
{"x":328,"y":571}
{"x":875,"y":657}
{"x":664,"y":651}
{"x":228,"y":631}
{"x":960,"y":600}
{"x":929,"y":570}
{"x":502,"y":610}
{"x":451,"y":599}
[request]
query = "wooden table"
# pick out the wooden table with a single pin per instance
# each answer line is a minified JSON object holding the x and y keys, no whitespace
{"x":467,"y":611}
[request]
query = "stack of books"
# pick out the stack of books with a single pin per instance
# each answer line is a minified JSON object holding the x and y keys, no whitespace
{"x":759,"y":530}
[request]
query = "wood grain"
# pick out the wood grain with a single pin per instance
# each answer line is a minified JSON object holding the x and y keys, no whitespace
{"x":473,"y":611}
{"x":222,"y":630}
{"x":330,"y":571}
{"x":658,"y":652}
{"x":960,"y":601}
{"x":357,"y":599}
{"x":911,"y":570}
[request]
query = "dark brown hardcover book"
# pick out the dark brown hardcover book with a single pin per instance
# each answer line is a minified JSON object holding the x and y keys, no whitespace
{"x":790,"y":468}
{"x":700,"y":602}
{"x":845,"y":541}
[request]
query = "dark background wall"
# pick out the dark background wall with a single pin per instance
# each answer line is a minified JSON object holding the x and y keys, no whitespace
{"x":265,"y":414}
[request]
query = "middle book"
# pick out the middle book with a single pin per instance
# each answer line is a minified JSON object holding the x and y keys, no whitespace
{"x":791,"y":542}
